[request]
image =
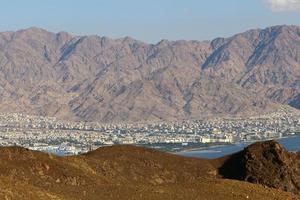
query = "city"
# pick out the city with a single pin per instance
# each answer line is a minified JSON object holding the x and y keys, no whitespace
{"x":65,"y":138}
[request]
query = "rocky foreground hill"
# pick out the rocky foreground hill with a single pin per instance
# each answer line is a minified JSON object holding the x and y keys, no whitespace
{"x":128,"y":172}
{"x":96,"y":78}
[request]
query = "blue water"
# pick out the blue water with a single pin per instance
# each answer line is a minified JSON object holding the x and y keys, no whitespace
{"x":291,"y":144}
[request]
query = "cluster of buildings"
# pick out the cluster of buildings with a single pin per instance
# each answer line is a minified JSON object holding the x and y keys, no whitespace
{"x":66,"y":138}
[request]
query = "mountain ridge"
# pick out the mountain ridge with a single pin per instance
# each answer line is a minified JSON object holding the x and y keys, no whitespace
{"x":93,"y":78}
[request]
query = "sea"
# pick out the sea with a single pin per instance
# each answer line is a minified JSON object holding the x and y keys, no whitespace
{"x":290,"y":143}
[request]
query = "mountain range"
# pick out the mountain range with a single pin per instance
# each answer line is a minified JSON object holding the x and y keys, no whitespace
{"x":128,"y":172}
{"x":93,"y":78}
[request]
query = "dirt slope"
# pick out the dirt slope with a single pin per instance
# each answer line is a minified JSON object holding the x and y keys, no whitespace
{"x":120,"y":172}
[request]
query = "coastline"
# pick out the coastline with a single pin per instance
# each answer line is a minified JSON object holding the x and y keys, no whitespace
{"x":241,"y":144}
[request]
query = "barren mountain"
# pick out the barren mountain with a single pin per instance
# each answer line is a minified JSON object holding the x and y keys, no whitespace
{"x":127,"y":172}
{"x":264,"y":61}
{"x":96,"y":78}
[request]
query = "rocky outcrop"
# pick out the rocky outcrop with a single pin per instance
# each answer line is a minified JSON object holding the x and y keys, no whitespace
{"x":266,"y":163}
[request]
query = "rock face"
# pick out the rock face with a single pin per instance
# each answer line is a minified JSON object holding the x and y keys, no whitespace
{"x":266,"y":163}
{"x":96,"y":78}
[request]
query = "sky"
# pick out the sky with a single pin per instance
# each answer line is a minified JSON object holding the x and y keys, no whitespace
{"x":148,"y":20}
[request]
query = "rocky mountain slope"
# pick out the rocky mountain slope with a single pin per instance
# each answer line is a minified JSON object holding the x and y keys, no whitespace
{"x":96,"y":78}
{"x":127,"y":172}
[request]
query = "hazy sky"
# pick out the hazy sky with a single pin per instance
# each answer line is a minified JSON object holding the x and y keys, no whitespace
{"x":149,"y":20}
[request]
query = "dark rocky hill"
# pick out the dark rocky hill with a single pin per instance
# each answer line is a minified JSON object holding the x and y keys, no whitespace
{"x":266,"y":163}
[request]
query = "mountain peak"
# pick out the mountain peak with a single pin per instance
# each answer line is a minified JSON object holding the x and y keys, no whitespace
{"x":34,"y":30}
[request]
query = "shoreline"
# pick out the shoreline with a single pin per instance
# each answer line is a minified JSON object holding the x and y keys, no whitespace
{"x":246,"y":143}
